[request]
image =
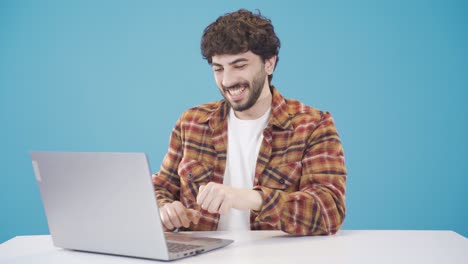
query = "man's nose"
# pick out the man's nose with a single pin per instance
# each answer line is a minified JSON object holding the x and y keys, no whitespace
{"x":229,"y":79}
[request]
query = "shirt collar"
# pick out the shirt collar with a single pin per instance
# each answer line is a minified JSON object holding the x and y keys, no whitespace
{"x":279,"y":113}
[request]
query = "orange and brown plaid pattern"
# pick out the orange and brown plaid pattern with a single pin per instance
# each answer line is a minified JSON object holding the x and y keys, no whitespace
{"x":300,"y":171}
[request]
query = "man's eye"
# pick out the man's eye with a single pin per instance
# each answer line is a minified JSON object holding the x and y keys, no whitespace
{"x":217,"y":69}
{"x":240,"y":66}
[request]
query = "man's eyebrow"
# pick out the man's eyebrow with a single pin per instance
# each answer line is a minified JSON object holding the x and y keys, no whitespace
{"x":230,"y":63}
{"x":238,"y":60}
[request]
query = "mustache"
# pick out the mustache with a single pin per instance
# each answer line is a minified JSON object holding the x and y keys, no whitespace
{"x":236,"y":85}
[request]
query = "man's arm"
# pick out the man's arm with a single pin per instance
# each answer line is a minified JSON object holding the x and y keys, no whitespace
{"x":219,"y":198}
{"x":318,"y":208}
{"x":167,"y":182}
{"x":167,"y":186}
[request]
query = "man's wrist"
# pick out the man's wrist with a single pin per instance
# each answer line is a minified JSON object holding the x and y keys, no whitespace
{"x":257,"y":200}
{"x":246,"y":199}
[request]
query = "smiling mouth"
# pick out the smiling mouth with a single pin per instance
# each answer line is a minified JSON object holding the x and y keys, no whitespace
{"x":236,"y":91}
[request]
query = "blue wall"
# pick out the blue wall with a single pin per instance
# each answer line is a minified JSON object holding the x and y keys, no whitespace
{"x":115,"y":75}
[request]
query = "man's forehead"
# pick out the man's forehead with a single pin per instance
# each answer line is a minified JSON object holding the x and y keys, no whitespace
{"x":225,"y":59}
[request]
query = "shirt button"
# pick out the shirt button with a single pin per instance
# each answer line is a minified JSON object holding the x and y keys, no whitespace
{"x":281,"y":181}
{"x":190,"y":175}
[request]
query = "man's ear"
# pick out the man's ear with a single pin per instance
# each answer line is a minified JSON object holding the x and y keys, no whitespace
{"x":270,"y":65}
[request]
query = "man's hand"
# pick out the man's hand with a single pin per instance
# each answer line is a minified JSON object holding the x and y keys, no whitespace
{"x":175,"y":215}
{"x":219,"y":198}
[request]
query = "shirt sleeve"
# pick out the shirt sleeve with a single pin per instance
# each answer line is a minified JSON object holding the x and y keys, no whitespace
{"x":318,"y":207}
{"x":167,"y":182}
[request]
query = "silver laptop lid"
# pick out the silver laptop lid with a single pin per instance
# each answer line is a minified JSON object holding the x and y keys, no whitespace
{"x":100,"y":202}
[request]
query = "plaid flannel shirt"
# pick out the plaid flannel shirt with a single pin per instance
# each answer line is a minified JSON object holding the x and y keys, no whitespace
{"x":300,"y":171}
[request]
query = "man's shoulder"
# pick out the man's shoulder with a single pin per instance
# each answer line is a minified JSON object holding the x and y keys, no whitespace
{"x":299,"y":111}
{"x":201,"y":113}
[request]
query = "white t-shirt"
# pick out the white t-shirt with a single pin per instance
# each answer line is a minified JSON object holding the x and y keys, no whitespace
{"x":244,"y":140}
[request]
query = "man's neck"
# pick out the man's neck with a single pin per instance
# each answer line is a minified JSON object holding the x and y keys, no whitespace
{"x":259,"y":108}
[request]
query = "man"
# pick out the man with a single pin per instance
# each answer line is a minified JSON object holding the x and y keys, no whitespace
{"x":254,"y":160}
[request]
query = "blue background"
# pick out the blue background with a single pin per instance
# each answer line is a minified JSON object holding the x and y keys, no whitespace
{"x":115,"y":76}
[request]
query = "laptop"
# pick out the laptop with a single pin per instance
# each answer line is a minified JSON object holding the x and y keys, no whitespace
{"x":105,"y":202}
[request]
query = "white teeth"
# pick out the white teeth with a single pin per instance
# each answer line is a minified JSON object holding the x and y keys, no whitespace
{"x":236,"y":91}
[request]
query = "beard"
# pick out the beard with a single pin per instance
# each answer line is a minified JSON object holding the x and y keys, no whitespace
{"x":254,"y":89}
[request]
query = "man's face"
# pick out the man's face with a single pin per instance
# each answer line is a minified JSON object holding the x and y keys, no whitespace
{"x":241,"y":78}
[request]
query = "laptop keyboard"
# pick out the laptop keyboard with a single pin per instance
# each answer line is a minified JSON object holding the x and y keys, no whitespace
{"x":176,"y":247}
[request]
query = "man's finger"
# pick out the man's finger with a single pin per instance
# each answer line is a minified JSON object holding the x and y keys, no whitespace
{"x":202,"y":187}
{"x":173,"y":217}
{"x":202,"y":193}
{"x":194,"y":215}
{"x":214,"y":202}
{"x":165,"y":219}
{"x":181,"y":212}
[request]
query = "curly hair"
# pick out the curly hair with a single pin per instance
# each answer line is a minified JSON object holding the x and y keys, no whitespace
{"x":239,"y":32}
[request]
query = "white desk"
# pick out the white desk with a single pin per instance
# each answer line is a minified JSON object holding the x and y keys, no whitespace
{"x":275,"y":247}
